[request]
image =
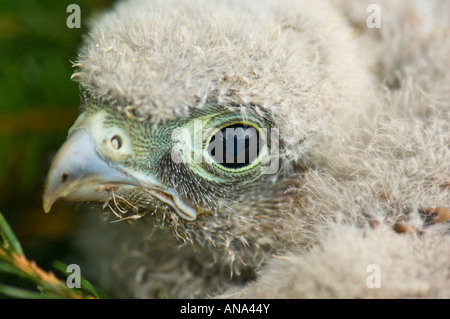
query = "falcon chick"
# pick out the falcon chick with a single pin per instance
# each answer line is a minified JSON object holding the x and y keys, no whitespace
{"x":261,"y":133}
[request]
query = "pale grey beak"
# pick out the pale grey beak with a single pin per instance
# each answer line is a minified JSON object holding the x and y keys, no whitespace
{"x":79,"y":173}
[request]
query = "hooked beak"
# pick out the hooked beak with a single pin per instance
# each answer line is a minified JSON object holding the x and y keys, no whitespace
{"x":79,"y":173}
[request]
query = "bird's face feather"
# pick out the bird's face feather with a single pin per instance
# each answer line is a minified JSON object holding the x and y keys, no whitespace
{"x":164,"y":81}
{"x":213,"y":161}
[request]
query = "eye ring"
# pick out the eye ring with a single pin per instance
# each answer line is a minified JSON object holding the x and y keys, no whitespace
{"x":236,"y":147}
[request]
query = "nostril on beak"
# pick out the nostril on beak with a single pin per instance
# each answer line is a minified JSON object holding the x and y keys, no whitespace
{"x":64,"y":177}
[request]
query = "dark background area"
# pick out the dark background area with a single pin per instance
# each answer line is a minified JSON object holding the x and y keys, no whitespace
{"x":38,"y":104}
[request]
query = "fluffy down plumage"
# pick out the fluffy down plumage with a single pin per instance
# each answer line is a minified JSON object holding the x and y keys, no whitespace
{"x":366,"y":111}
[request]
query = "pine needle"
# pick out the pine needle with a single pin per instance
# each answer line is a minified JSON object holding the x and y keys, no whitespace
{"x":8,"y":236}
{"x":24,"y":294}
{"x":13,"y":261}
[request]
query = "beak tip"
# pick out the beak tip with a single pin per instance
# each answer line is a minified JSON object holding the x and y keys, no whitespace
{"x":46,"y":209}
{"x":47,"y":204}
{"x":48,"y":199}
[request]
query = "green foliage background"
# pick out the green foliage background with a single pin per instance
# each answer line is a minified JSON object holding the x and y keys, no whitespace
{"x":38,"y":104}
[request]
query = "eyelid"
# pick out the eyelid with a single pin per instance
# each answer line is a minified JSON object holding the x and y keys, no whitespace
{"x":212,"y":132}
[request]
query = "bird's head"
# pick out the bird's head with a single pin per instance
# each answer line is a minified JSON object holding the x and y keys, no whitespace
{"x":215,"y":160}
{"x":204,"y":117}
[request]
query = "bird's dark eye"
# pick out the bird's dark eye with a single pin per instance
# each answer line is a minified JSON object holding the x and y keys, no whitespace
{"x":235,"y":146}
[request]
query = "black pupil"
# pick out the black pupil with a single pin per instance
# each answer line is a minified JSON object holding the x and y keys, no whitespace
{"x":235,"y":146}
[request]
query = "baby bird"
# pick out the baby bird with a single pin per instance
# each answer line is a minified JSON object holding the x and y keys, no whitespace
{"x":284,"y":143}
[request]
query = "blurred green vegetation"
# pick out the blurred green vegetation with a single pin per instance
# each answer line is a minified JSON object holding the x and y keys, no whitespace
{"x":38,"y":104}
